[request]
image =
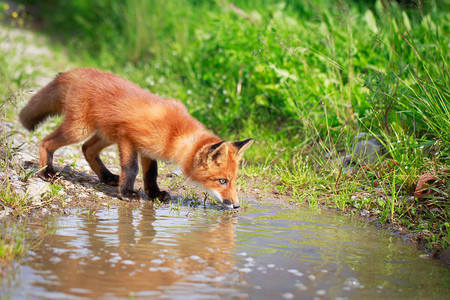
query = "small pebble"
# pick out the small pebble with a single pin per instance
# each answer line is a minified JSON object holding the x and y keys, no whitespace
{"x":67,"y":169}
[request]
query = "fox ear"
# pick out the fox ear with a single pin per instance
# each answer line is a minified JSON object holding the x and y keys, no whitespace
{"x":218,"y":153}
{"x":242,"y":146}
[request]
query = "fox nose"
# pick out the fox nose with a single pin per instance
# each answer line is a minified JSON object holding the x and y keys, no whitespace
{"x":228,"y":203}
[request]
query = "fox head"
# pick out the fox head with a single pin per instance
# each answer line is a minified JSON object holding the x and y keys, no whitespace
{"x":215,"y":168}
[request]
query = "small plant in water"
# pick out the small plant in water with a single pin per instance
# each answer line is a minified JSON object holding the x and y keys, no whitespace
{"x":176,"y":206}
{"x":90,"y":213}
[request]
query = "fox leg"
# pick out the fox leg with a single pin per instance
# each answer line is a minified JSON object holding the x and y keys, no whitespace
{"x":91,"y":150}
{"x":130,"y":169}
{"x":62,"y":136}
{"x":150,"y":171}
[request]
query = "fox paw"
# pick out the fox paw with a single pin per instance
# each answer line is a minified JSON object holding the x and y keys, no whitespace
{"x":48,"y":174}
{"x":130,"y":195}
{"x":161,"y":195}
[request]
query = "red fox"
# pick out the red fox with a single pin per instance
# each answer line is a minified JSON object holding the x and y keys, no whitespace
{"x":113,"y":110}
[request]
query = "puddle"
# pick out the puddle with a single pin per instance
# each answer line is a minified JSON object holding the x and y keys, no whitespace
{"x":266,"y":252}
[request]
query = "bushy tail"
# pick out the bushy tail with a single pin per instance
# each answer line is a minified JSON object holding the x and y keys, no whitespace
{"x":47,"y":102}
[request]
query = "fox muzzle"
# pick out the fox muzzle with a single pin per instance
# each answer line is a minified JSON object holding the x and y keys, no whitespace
{"x":227,"y":203}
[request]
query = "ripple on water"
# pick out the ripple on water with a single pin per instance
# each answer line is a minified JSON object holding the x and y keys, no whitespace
{"x":264,"y":252}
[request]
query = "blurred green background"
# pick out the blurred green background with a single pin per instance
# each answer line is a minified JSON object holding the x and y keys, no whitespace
{"x":285,"y":72}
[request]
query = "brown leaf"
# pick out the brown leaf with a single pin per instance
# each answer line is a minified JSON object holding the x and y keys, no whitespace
{"x":423,"y":186}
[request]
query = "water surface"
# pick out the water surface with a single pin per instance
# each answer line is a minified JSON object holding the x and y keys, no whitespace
{"x":265,"y":252}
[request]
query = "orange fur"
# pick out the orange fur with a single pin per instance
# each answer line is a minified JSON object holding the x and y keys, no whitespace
{"x":113,"y":110}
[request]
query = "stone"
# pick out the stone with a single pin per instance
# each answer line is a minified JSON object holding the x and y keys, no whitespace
{"x":367,"y":149}
{"x":37,"y":188}
{"x":23,"y":157}
{"x":36,"y":202}
{"x":177,"y":172}
{"x":67,"y":169}
{"x":5,"y":212}
{"x":18,"y":189}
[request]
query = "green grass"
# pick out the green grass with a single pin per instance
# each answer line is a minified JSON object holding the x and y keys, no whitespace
{"x":302,"y":78}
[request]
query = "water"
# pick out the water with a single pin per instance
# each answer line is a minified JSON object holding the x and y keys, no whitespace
{"x":266,"y":252}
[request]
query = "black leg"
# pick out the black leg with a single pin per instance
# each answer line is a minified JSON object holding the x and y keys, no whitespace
{"x":150,"y":170}
{"x":130,"y":169}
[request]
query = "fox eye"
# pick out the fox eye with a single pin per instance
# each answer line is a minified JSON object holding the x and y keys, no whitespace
{"x":223,"y":181}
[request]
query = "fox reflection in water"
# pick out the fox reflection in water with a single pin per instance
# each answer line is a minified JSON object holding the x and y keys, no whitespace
{"x":134,"y":253}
